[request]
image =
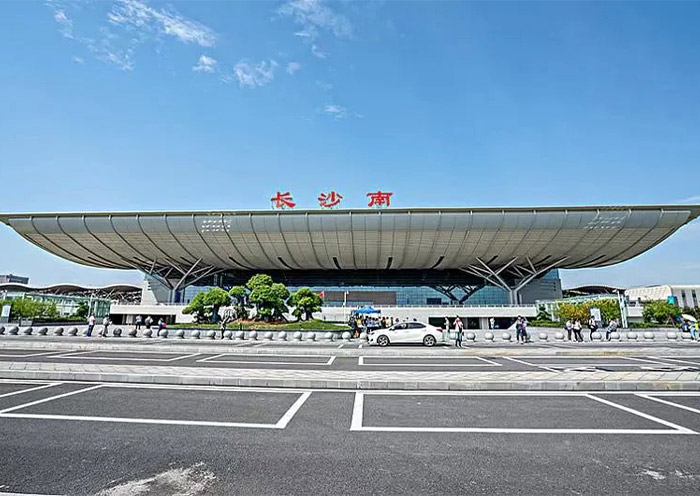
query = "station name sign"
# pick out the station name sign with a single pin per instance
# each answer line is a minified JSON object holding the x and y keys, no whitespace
{"x":332,"y":199}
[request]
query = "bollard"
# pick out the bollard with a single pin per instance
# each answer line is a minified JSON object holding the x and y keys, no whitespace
{"x":363,"y":336}
{"x":328,"y":336}
{"x":2,"y":329}
{"x":297,"y":336}
{"x":506,"y":336}
{"x":671,"y":335}
{"x":253,"y":335}
{"x":58,"y":331}
{"x":211,"y":334}
{"x":488,"y":336}
{"x":73,"y":331}
{"x":147,"y":333}
{"x":596,"y":336}
{"x":228,"y":334}
{"x":470,"y":336}
{"x":543,"y":336}
{"x":14,"y":330}
{"x":346,"y":336}
{"x":240,"y":335}
{"x":117,"y":333}
{"x":631,"y":335}
{"x":685,"y":336}
{"x":27,"y":331}
{"x":648,"y":336}
{"x":282,"y":336}
{"x":163,"y":333}
{"x":180,"y":334}
{"x":311,"y":336}
{"x":268,"y":336}
{"x":615,"y":336}
{"x":559,"y":336}
{"x":195,"y":334}
{"x":43,"y":331}
{"x":132,"y":332}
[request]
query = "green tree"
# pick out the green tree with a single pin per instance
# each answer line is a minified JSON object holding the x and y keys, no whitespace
{"x":214,"y":299}
{"x":28,"y":308}
{"x":305,"y":303}
{"x":660,"y":312}
{"x":609,"y":309}
{"x":82,"y":311}
{"x":197,"y":308}
{"x":268,"y":297}
{"x":239,"y":295}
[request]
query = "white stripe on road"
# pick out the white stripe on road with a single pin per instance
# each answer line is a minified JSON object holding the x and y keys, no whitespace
{"x":669,"y":403}
{"x":50,"y":398}
{"x":682,"y":429}
{"x":282,"y":423}
{"x":530,"y":364}
{"x":30,"y":389}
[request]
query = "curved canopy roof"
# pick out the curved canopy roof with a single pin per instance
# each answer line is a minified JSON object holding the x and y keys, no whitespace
{"x":363,"y":239}
{"x":71,"y":289}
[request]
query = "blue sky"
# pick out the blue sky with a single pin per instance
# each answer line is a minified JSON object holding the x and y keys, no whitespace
{"x":129,"y":105}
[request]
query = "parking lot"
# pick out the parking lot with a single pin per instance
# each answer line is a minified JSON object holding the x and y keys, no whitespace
{"x":78,"y":438}
{"x":447,"y":360}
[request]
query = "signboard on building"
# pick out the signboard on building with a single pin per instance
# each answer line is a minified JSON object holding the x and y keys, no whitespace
{"x":5,"y":314}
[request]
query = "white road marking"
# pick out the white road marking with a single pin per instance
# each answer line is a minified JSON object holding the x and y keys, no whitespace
{"x":341,"y":345}
{"x":30,"y":389}
{"x":15,"y":355}
{"x":646,"y":360}
{"x":685,"y":430}
{"x":697,"y":364}
{"x":506,"y":430}
{"x":521,"y":362}
{"x":489,"y":363}
{"x":81,"y":355}
{"x":214,"y":359}
{"x":50,"y":398}
{"x":358,"y":410}
{"x":282,"y":423}
{"x":669,"y":403}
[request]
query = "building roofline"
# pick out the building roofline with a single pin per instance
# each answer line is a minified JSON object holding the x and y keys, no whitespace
{"x":694,"y":211}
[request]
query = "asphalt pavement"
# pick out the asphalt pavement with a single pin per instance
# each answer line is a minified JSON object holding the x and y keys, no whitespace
{"x":95,"y":438}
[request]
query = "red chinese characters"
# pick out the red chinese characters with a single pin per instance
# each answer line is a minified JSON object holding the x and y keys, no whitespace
{"x":282,"y":200}
{"x":329,"y":200}
{"x":379,"y":199}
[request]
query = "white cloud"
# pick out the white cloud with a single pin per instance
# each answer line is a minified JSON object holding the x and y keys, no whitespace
{"x":253,"y":75}
{"x":205,"y":64}
{"x":316,"y":52}
{"x":691,"y":199}
{"x":79,"y":60}
{"x":293,"y":67}
{"x":324,"y":85}
{"x":337,"y":111}
{"x":65,"y":24}
{"x":314,"y":16}
{"x":141,"y":16}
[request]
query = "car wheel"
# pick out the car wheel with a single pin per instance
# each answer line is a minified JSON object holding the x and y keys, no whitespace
{"x":429,"y":340}
{"x":383,"y":341}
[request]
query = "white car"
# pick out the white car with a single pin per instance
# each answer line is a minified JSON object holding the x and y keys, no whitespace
{"x":407,"y":332}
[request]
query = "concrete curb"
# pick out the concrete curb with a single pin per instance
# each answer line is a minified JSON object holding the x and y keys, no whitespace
{"x":482,"y":385}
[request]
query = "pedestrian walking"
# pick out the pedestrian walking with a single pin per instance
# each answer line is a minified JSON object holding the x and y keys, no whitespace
{"x":592,"y":326}
{"x":459,"y":331}
{"x":91,"y":325}
{"x":105,"y":326}
{"x":569,"y":326}
{"x":612,"y":327}
{"x":138,"y":322}
{"x":577,"y":331}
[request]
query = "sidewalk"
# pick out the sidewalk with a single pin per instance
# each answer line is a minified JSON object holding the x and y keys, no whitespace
{"x":482,"y":381}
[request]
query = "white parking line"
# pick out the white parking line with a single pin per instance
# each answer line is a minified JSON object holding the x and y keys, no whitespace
{"x":358,"y":416}
{"x":81,"y":355}
{"x":44,"y":400}
{"x":30,"y":389}
{"x":697,"y":363}
{"x":214,"y":359}
{"x":488,"y":363}
{"x":669,"y":403}
{"x":20,"y":355}
{"x":522,"y":362}
{"x":280,"y":424}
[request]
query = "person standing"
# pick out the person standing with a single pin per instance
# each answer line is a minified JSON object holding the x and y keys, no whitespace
{"x":592,"y":326}
{"x":447,"y":328}
{"x":612,"y":327}
{"x":105,"y":326}
{"x":459,"y":331}
{"x":137,"y":322}
{"x":91,"y":325}
{"x":223,"y":327}
{"x":577,"y":331}
{"x":149,"y":322}
{"x":569,"y":328}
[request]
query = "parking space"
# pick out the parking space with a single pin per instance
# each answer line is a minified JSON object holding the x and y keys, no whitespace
{"x":445,"y":361}
{"x":8,"y":389}
{"x":169,"y":405}
{"x":611,"y":363}
{"x":20,"y":353}
{"x":502,"y":413}
{"x":139,"y":356}
{"x":270,"y":359}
